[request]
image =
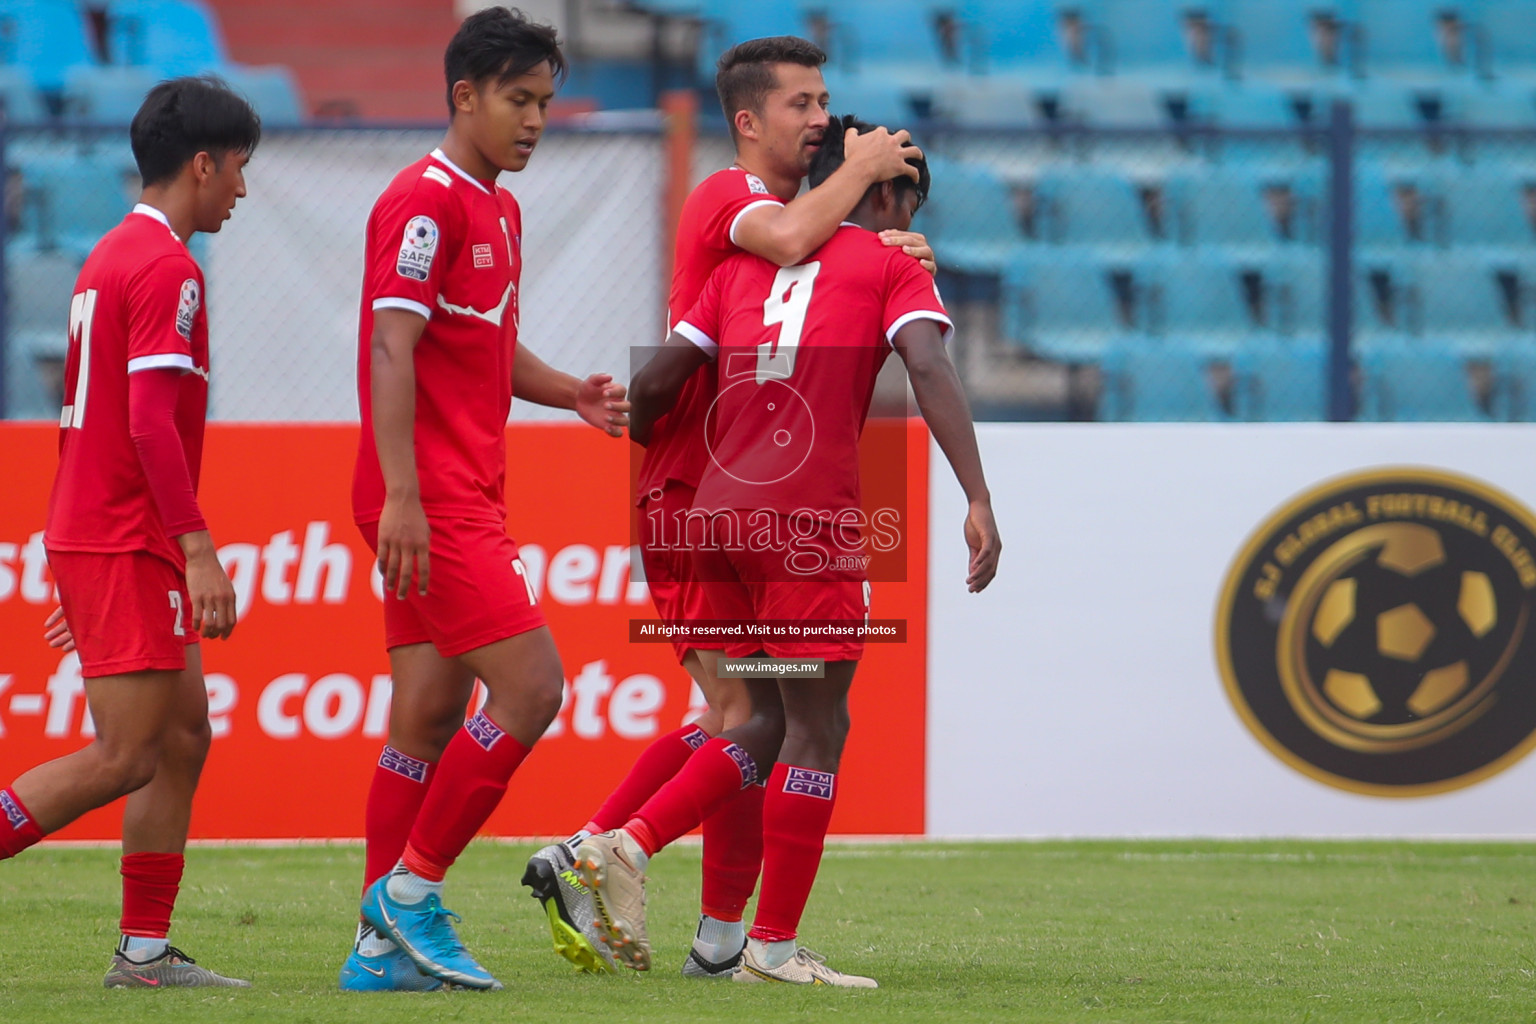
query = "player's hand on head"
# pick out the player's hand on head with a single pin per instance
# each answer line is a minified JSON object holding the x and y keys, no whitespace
{"x":212,"y":596}
{"x":982,"y":538}
{"x":404,"y":542}
{"x":914,"y":244}
{"x":601,"y":402}
{"x":56,"y":631}
{"x":883,"y":155}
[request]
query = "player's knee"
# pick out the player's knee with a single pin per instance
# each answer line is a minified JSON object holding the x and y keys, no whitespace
{"x":189,"y":744}
{"x":544,"y":699}
{"x":129,"y":767}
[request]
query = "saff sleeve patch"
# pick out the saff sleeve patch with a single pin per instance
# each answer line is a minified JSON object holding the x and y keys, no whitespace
{"x":418,"y":247}
{"x":756,"y":186}
{"x":187,"y":304}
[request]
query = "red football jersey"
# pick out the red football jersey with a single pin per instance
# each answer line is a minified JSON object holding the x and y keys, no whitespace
{"x":797,"y":352}
{"x":449,"y":247}
{"x":138,"y":305}
{"x":706,"y":237}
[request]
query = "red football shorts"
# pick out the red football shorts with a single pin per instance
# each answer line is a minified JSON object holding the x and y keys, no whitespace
{"x":128,"y":611}
{"x":755,"y":586}
{"x":477,"y":591}
{"x":668,"y":564}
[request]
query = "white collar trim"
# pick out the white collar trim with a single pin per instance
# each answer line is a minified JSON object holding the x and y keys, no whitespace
{"x":157,"y":214}
{"x":442,"y":158}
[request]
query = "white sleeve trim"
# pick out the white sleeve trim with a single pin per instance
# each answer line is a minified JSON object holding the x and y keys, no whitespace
{"x":748,"y":209}
{"x":164,"y":361}
{"x":409,"y":305}
{"x":921,"y":314}
{"x":698,"y":337}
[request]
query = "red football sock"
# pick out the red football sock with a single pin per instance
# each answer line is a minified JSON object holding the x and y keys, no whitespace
{"x":17,"y":829}
{"x":150,"y":884}
{"x":653,"y":769}
{"x":796,"y":812}
{"x":718,"y":771}
{"x":733,"y":855}
{"x":471,"y":778}
{"x":400,"y":784}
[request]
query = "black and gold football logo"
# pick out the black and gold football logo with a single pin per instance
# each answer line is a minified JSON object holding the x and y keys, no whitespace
{"x":1376,"y":632}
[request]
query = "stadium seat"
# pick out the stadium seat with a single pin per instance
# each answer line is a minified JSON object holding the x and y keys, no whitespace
{"x":1115,"y":102}
{"x":1490,"y":104}
{"x":727,"y":23}
{"x":43,"y":38}
{"x":1457,"y":303}
{"x":1141,"y":36}
{"x":106,"y":96}
{"x":1506,"y":37}
{"x":1222,"y":208}
{"x":1200,"y":303}
{"x":1090,"y":206}
{"x":1061,"y":307}
{"x":873,"y":98}
{"x":272,"y":90}
{"x":1294,"y":296}
{"x":1274,"y":40}
{"x":1514,"y":382}
{"x":1284,"y":383}
{"x":989,"y":101}
{"x":899,"y":36}
{"x":971,"y":214}
{"x":1158,"y":383}
{"x":23,"y":102}
{"x":1417,"y":384}
{"x":79,"y":198}
{"x":1399,"y":37}
{"x":1490,"y":208}
{"x":1017,"y":37}
{"x":175,"y":37}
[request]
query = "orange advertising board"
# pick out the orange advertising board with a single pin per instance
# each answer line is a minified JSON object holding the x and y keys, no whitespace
{"x":299,"y":696}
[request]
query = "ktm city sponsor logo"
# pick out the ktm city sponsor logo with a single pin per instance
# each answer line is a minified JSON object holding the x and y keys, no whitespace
{"x":1375,"y":633}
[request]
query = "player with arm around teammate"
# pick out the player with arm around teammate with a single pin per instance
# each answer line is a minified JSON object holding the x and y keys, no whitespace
{"x":439,"y":360}
{"x":139,"y":580}
{"x":796,"y":348}
{"x":775,"y":101}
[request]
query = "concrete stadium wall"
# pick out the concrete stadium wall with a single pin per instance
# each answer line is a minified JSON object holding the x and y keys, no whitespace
{"x":1080,"y":695}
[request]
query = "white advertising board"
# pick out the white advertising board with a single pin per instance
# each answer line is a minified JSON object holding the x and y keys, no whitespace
{"x":1080,"y":695}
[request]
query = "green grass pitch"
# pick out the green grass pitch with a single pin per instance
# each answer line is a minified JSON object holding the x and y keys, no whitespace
{"x":1295,"y":931}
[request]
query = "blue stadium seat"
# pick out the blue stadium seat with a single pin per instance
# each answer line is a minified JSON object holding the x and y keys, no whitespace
{"x":1388,"y":104}
{"x":1490,"y":104}
{"x":1200,"y":303}
{"x":1294,"y":295}
{"x":1486,"y":208}
{"x":1506,"y":35}
{"x":727,"y":23}
{"x":23,"y":102}
{"x":1017,"y":36}
{"x":1399,"y":36}
{"x":872,"y":97}
{"x":1091,"y":206}
{"x":1274,"y":39}
{"x":1417,"y":384}
{"x":1161,"y":383}
{"x":81,"y":197}
{"x":175,"y":37}
{"x":1140,"y":35}
{"x":1458,"y":303}
{"x":1514,"y":377}
{"x":106,"y":96}
{"x":1224,"y":208}
{"x":971,"y":216}
{"x":897,"y":34}
{"x":1116,"y":102}
{"x":992,"y":101}
{"x":43,"y":38}
{"x":1061,"y":307}
{"x":272,"y":90}
{"x":1283,"y":383}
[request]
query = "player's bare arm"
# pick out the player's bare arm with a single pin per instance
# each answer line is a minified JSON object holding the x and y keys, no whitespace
{"x":596,"y":399}
{"x":942,"y":401}
{"x":208,"y":587}
{"x":403,"y":531}
{"x":788,"y":234}
{"x":655,"y":388}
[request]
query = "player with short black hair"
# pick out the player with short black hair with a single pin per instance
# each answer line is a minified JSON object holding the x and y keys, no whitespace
{"x":772,"y":93}
{"x":439,"y":359}
{"x":138,"y":577}
{"x":797,"y":350}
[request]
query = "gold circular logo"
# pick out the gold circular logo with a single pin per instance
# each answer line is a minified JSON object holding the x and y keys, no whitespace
{"x":1375,"y":632}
